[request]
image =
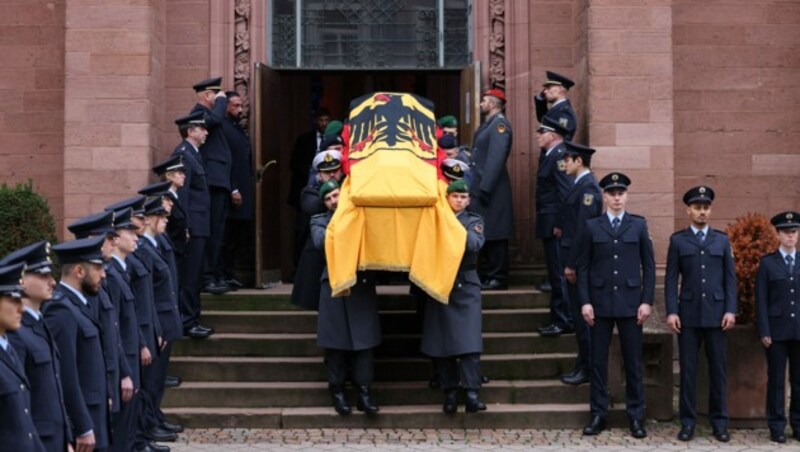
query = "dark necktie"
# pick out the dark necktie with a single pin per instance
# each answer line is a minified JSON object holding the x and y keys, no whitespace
{"x":789,"y":263}
{"x":615,"y":223}
{"x":701,"y":236}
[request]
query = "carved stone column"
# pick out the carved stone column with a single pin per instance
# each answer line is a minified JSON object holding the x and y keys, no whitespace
{"x":497,"y":43}
{"x":242,"y":58}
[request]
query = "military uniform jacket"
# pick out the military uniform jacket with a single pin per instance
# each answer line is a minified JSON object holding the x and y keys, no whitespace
{"x":78,"y":335}
{"x":119,"y":289}
{"x":167,"y":250}
{"x":455,"y":328}
{"x":116,"y":365}
{"x":194,"y":196}
{"x":177,"y":228}
{"x":617,"y":271}
{"x":17,"y":431}
{"x":305,"y":291}
{"x":491,"y":185}
{"x":215,"y":153}
{"x":241,"y":169}
{"x":708,"y":279}
{"x":165,"y":296}
{"x":562,"y":112}
{"x":351,"y":322}
{"x":142,"y":286}
{"x":35,"y":348}
{"x":583,"y":202}
{"x":778,"y":299}
{"x":552,"y":187}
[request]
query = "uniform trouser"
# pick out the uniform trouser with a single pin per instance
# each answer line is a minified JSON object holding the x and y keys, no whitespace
{"x":237,"y":247}
{"x":777,"y":355}
{"x":630,"y":339}
{"x":689,"y":341}
{"x":559,"y":308}
{"x":191,"y":275}
{"x":464,"y":368}
{"x":123,"y":425}
{"x":220,"y":200}
{"x":583,"y":336}
{"x":158,"y":376}
{"x":360,"y":362}
{"x":146,"y":420}
{"x":496,"y":252}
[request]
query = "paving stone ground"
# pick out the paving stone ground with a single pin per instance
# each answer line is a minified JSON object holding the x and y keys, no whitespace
{"x":661,"y":437}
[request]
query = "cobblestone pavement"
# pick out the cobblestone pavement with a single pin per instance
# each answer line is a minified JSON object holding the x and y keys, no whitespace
{"x":661,"y":436}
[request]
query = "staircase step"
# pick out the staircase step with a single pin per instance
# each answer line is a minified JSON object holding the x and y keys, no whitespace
{"x":506,"y":320}
{"x":305,"y":344}
{"x":247,"y":369}
{"x":307,"y":394}
{"x":506,"y":416}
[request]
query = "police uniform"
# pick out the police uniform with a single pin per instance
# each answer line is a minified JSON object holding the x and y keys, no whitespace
{"x":17,"y":429}
{"x":177,"y":229}
{"x":616,"y":275}
{"x":451,"y":333}
{"x":491,"y":192}
{"x":552,"y":187}
{"x":78,"y":333}
{"x":195,"y":200}
{"x":582,"y":203}
{"x":561,"y":111}
{"x":707,"y":292}
{"x":778,"y":311}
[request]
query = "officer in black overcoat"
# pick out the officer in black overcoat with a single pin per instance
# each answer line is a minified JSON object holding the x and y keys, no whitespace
{"x":195,"y":200}
{"x":348,"y":328}
{"x":451,"y":333}
{"x":36,"y":350}
{"x":552,"y":187}
{"x":702,"y":310}
{"x":582,"y":203}
{"x":616,"y":286}
{"x":490,"y":190}
{"x":17,"y":430}
{"x":778,"y":310}
{"x":552,"y":103}
{"x":77,"y":331}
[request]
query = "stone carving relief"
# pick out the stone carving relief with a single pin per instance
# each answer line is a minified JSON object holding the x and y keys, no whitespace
{"x":241,"y":57}
{"x":497,"y":44}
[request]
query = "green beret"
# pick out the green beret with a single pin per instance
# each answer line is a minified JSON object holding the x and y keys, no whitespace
{"x":328,"y":187}
{"x":334,"y":128}
{"x":448,"y":121}
{"x":458,"y":186}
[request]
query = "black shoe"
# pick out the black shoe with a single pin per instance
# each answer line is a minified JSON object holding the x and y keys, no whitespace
{"x":686,"y":433}
{"x":546,"y":327}
{"x":485,"y":380}
{"x":722,"y":435}
{"x":637,"y":429}
{"x":473,"y":403}
{"x":576,"y":379}
{"x":158,"y":447}
{"x":494,"y":284}
{"x":160,"y":435}
{"x":364,"y":401}
{"x":172,"y":382}
{"x":170,"y":427}
{"x":570,"y":374}
{"x":196,"y":333}
{"x":205,"y":328}
{"x":556,"y":331}
{"x":597,"y":425}
{"x":450,"y":404}
{"x":545,"y":287}
{"x":778,"y":437}
{"x":234,"y":283}
{"x":215,"y":288}
{"x":340,"y":401}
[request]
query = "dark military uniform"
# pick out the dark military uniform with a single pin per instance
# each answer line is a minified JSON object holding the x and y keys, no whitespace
{"x":617,"y":274}
{"x":238,"y":229}
{"x":562,"y":112}
{"x":306,"y":288}
{"x":17,"y":431}
{"x":452,"y":332}
{"x":491,"y":192}
{"x":707,"y":291}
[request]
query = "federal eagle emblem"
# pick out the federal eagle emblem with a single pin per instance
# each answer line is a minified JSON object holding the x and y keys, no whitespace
{"x":562,"y":165}
{"x":501,"y":128}
{"x":328,"y":158}
{"x":588,"y":200}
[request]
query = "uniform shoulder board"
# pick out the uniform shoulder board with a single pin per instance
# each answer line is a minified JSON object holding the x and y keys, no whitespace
{"x":475,"y":216}
{"x":57,"y":295}
{"x":319,"y":215}
{"x":633,"y":215}
{"x":720,"y":232}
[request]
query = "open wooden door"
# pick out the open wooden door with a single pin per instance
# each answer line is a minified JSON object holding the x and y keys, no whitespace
{"x":470,"y":102}
{"x":266,"y":152}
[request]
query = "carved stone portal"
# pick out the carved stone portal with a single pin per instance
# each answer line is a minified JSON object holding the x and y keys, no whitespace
{"x":242,"y":60}
{"x":497,"y":44}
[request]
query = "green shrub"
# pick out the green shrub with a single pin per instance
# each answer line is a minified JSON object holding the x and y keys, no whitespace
{"x":24,"y":217}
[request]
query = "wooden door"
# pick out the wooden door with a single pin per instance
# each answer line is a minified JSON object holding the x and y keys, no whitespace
{"x":470,"y":111}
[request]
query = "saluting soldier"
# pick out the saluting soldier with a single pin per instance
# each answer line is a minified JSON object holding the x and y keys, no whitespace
{"x":552,"y":103}
{"x":778,"y":309}
{"x":617,"y":282}
{"x":36,"y":350}
{"x":490,"y":190}
{"x":77,"y":331}
{"x":582,"y":203}
{"x":348,"y":328}
{"x":552,"y":187}
{"x":17,"y":431}
{"x":451,"y":333}
{"x":703,"y":310}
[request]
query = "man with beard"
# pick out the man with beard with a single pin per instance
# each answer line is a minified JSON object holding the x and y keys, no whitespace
{"x":76,"y":330}
{"x":552,"y":103}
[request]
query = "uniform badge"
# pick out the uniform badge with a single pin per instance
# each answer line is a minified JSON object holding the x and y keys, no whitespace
{"x":501,"y":128}
{"x":789,"y":216}
{"x":615,"y":177}
{"x":588,"y":200}
{"x":328,"y":158}
{"x":457,"y":169}
{"x":478,"y":228}
{"x":564,"y":122}
{"x":562,"y":165}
